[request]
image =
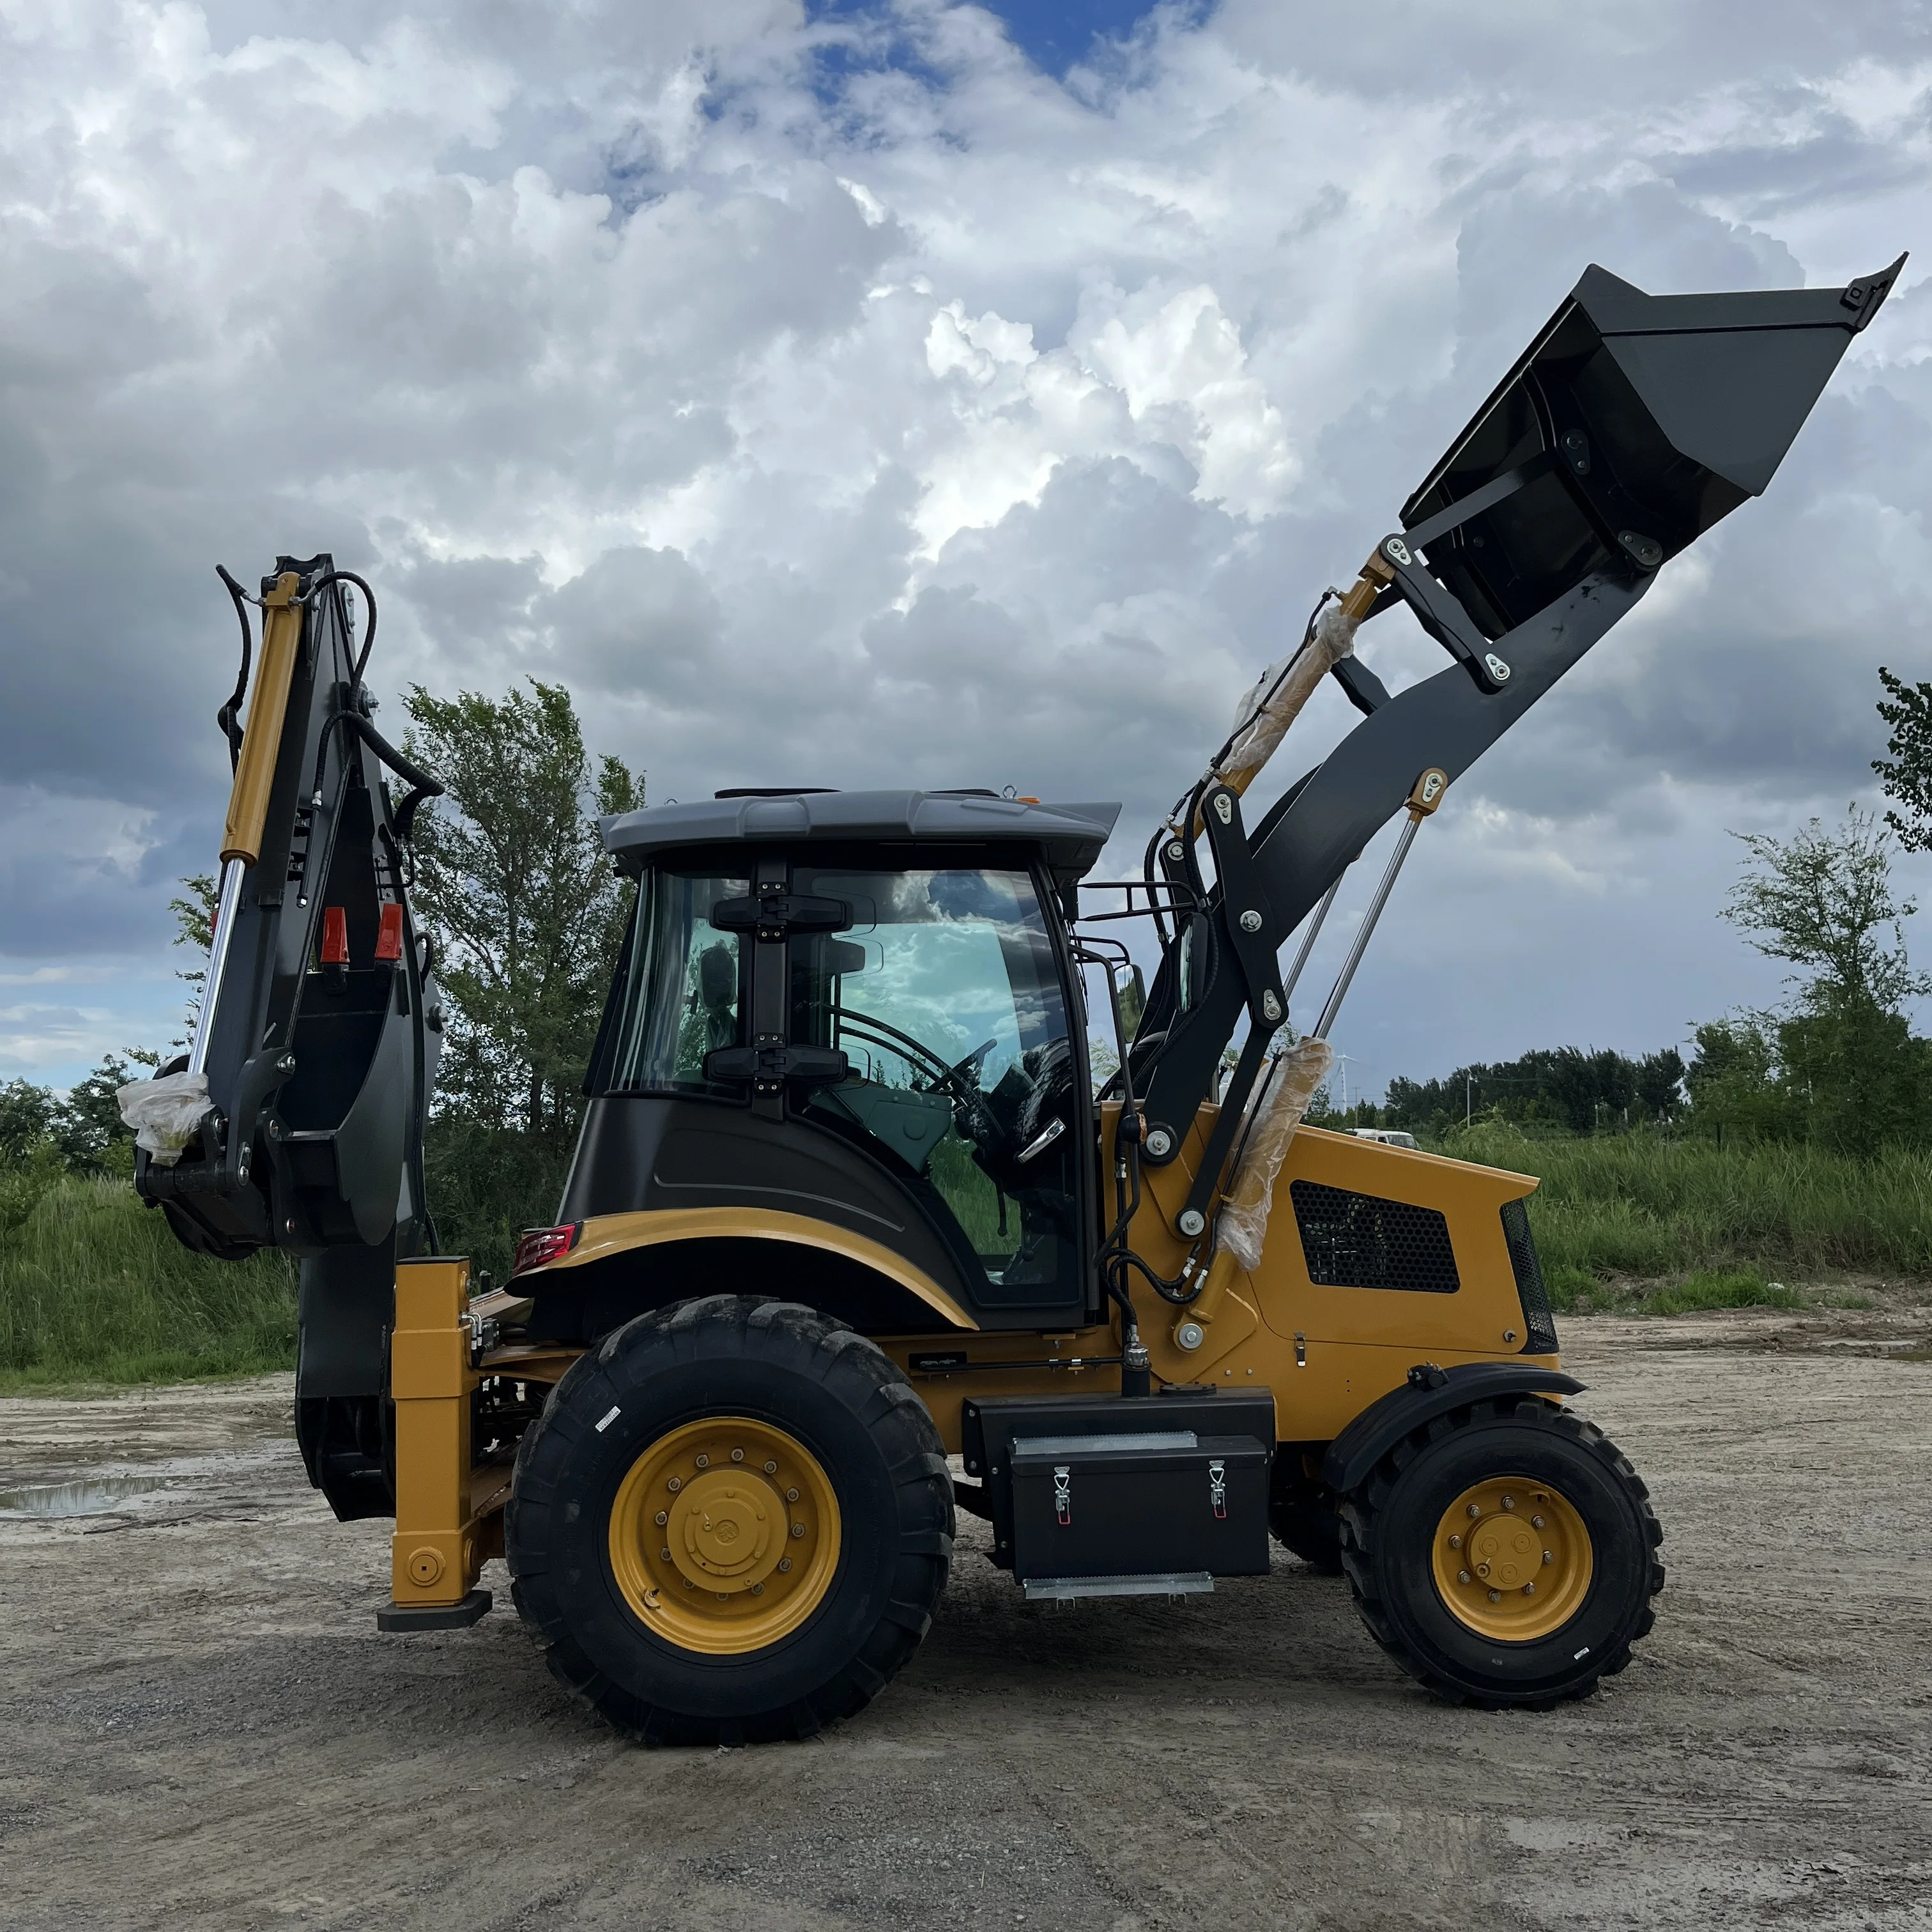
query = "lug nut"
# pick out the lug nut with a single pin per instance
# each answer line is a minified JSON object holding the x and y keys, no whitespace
{"x":791,"y":1495}
{"x":1549,"y":1556}
{"x":1475,"y":1509}
{"x":1463,"y":1576}
{"x":1455,"y":1543}
{"x":798,"y":1529}
{"x":1536,"y":1522}
{"x":785,"y":1562}
{"x":1529,"y":1589}
{"x":676,"y":1484}
{"x":737,"y":1455}
{"x":663,"y":1517}
{"x":704,"y":1461}
{"x":689,"y":1585}
{"x":1496,"y":1596}
{"x":663,"y":1556}
{"x":771,"y":1468}
{"x":1509,"y":1502}
{"x":758,"y":1589}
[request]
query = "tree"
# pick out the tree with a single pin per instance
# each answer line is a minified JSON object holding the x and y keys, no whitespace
{"x":513,"y":884}
{"x":1906,"y":775}
{"x":1840,"y":1064}
{"x":1822,"y":899}
{"x":514,"y":888}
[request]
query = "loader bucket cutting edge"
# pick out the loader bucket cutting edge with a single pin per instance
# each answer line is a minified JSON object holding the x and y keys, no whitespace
{"x":1630,"y":425}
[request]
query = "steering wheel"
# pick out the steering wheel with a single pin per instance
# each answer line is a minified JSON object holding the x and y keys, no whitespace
{"x":967,"y":1099}
{"x":971,"y":1064}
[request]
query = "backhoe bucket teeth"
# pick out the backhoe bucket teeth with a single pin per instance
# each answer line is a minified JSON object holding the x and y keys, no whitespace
{"x":1630,"y":425}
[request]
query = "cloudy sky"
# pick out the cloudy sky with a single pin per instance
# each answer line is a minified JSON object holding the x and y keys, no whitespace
{"x":921,"y":393}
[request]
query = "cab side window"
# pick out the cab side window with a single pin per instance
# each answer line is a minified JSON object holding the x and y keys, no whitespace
{"x":944,"y":993}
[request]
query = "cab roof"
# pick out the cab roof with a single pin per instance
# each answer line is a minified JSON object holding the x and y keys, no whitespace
{"x":1070,"y":836}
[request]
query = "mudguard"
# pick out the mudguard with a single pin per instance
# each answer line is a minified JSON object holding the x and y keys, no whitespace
{"x":1428,"y":1392}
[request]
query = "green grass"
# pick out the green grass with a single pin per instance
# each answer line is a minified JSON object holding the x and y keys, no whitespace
{"x":94,"y":1288}
{"x":1716,"y":1222}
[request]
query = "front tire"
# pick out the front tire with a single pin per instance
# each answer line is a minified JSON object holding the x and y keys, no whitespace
{"x":731,"y":1524}
{"x":1504,"y":1555}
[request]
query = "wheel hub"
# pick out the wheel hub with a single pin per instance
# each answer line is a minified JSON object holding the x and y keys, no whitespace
{"x":722,"y":1532}
{"x":724,"y":1535}
{"x":1512,"y":1559}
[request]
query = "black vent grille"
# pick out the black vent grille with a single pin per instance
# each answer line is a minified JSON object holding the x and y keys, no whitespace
{"x":1361,"y":1241}
{"x":1538,"y":1324}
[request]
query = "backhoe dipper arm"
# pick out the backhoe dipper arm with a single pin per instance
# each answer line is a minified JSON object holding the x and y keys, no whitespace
{"x":319,"y":1024}
{"x":1630,"y":425}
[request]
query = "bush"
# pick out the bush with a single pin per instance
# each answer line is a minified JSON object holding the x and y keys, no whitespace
{"x":93,"y":1287}
{"x":1644,"y":1204}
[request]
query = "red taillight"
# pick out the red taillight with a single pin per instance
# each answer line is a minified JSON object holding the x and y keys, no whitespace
{"x":389,"y":934}
{"x":537,"y":1247}
{"x":334,"y":936}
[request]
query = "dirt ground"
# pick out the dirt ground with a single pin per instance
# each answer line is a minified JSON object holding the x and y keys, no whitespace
{"x":202,"y":1727}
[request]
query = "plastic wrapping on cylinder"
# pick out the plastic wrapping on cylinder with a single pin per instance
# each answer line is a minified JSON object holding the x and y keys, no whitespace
{"x":164,"y":1113}
{"x":1242,"y":1225}
{"x":1262,"y":721}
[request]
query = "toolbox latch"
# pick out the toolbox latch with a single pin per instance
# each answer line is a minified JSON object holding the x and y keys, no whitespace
{"x":1062,"y":1493}
{"x":1217,"y":1488}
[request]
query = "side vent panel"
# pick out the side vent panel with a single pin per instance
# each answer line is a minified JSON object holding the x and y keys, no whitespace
{"x":1361,"y":1241}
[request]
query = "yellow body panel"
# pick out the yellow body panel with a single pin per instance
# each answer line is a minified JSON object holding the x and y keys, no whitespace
{"x":1326,"y":1352}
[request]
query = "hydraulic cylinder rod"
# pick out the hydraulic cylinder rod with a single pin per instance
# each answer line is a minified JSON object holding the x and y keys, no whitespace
{"x":1310,"y":937}
{"x":1422,"y":801}
{"x":225,"y":907}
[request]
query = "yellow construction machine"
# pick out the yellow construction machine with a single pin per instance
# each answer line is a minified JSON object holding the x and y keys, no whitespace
{"x":849,"y":1201}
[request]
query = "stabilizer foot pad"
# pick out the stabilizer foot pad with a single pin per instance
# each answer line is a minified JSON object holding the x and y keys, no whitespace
{"x":404,"y":1617}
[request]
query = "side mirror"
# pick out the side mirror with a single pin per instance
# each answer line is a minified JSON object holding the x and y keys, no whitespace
{"x":1131,"y":995}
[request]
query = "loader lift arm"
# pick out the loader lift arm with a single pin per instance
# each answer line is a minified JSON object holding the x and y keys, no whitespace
{"x":1630,"y":426}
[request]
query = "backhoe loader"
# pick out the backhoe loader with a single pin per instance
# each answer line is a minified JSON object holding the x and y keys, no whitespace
{"x":848,"y":1201}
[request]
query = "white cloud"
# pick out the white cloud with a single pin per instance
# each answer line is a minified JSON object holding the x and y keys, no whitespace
{"x":974,"y":425}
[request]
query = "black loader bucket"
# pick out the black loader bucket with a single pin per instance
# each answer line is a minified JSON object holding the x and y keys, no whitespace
{"x":1630,"y":425}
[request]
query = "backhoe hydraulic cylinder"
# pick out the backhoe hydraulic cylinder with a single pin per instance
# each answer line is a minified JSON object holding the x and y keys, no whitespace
{"x":226,"y":905}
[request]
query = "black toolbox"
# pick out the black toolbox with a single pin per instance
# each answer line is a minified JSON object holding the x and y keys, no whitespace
{"x":1095,"y":1495}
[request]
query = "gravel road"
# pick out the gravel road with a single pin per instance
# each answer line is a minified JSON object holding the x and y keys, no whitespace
{"x":203,"y":1729}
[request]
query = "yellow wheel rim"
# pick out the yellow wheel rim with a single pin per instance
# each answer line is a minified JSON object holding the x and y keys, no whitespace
{"x":1512,"y":1559}
{"x":724,"y":1535}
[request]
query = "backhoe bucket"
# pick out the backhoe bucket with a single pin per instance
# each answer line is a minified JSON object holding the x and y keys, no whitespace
{"x":1630,"y":425}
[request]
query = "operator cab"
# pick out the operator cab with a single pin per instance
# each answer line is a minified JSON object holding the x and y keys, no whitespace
{"x":858,"y":1008}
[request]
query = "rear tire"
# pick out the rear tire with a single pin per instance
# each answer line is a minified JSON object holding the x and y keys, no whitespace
{"x":859,"y":1495}
{"x":1439,"y":1508}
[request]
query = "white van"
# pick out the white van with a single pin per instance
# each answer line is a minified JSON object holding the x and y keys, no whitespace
{"x":1388,"y":1136}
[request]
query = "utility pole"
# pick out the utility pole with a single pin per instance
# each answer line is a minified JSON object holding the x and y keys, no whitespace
{"x":1469,"y":1099}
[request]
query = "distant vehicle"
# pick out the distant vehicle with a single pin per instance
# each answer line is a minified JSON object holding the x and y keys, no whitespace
{"x":1388,"y":1136}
